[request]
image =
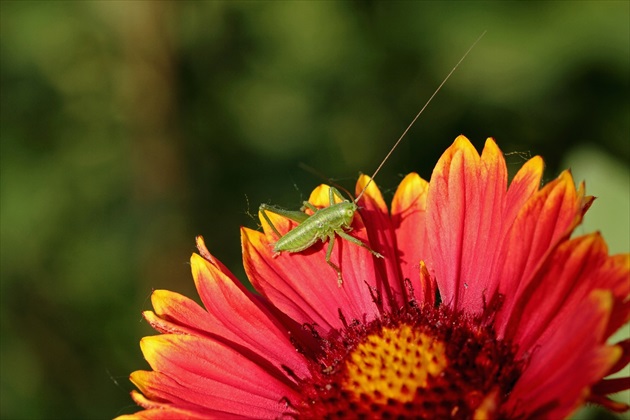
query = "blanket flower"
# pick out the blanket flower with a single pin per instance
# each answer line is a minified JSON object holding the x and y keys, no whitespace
{"x":484,"y":306}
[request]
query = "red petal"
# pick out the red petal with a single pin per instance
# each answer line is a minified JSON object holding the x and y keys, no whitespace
{"x":568,"y":276}
{"x":464,"y":208}
{"x":611,"y":386}
{"x":160,"y":410}
{"x":608,"y":404}
{"x":409,"y":220}
{"x":561,"y":370}
{"x":177,"y":314}
{"x":239,"y":317}
{"x":547,"y":219}
{"x":614,"y":275}
{"x":625,"y":356}
{"x":525,"y":183}
{"x":304,"y":286}
{"x":235,"y":317}
{"x":198,"y":373}
{"x":382,"y":239}
{"x":427,"y":292}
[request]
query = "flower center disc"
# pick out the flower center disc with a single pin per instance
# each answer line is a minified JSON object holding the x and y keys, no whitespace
{"x":394,"y":365}
{"x":424,"y":364}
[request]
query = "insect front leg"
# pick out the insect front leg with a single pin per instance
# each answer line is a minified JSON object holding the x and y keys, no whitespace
{"x":331,"y":244}
{"x":332,"y":192}
{"x":356,"y":241}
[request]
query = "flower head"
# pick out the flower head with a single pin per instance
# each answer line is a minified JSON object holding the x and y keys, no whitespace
{"x":484,"y":306}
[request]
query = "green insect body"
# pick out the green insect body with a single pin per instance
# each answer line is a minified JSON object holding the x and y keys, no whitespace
{"x":336,"y":219}
{"x":322,"y":225}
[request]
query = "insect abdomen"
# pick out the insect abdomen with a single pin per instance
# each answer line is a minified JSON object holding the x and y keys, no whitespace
{"x":296,"y":240}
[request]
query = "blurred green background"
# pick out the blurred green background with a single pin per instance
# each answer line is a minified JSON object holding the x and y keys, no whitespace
{"x":127,"y":128}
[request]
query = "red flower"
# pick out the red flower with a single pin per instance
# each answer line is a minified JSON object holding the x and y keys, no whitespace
{"x":482,"y":307}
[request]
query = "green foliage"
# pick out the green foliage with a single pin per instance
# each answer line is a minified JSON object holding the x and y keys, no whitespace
{"x":129,"y":127}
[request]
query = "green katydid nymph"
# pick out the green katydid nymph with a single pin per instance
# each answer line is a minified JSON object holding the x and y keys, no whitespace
{"x":323,"y":224}
{"x":336,"y":219}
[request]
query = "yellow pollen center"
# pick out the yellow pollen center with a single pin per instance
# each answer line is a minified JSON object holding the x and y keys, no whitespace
{"x":394,"y":364}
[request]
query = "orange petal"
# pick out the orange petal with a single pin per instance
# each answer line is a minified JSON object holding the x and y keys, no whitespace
{"x":320,"y":197}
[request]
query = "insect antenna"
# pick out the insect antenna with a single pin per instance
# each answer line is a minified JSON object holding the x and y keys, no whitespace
{"x":418,"y":115}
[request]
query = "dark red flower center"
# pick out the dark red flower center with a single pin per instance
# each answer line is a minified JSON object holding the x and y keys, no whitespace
{"x":417,"y":363}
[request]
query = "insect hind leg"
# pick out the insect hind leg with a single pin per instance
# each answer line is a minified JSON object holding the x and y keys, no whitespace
{"x":356,"y":241}
{"x":296,"y":216}
{"x":331,"y":244}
